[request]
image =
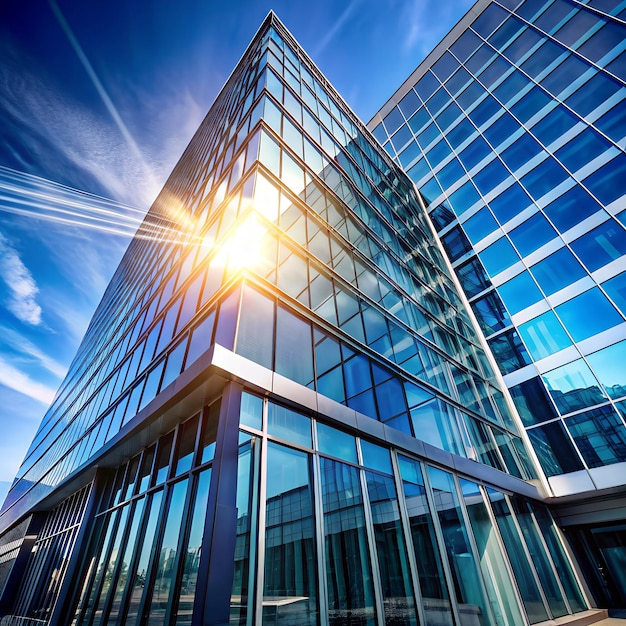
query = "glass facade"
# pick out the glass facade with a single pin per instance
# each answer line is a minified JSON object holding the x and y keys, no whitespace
{"x":282,"y":410}
{"x":514,"y":133}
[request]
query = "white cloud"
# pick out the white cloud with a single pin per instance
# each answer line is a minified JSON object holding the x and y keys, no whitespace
{"x":14,"y":379}
{"x":22,"y":286}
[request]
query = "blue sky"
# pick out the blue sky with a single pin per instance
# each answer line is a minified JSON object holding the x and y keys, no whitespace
{"x":97,"y":102}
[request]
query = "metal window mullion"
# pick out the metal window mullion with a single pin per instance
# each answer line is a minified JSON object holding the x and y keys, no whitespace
{"x":254,"y":553}
{"x":371,"y":539}
{"x":528,"y":557}
{"x":258,"y":529}
{"x":408,"y":539}
{"x":443,"y":553}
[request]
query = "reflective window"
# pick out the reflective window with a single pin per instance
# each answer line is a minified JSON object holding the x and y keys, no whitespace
{"x":576,"y":318}
{"x":435,"y":423}
{"x":464,"y":197}
{"x":608,"y":366}
{"x":509,"y":203}
{"x":616,"y":288}
{"x":288,"y":424}
{"x":532,"y":234}
{"x":336,"y":443}
{"x":554,"y":125}
{"x":480,"y":225}
{"x":436,"y":600}
{"x":348,"y":568}
{"x":604,"y":184}
{"x":498,"y":256}
{"x":582,"y":149}
{"x":520,"y":152}
{"x":532,"y":402}
{"x":543,"y":178}
{"x":393,"y":121}
{"x":475,"y":153}
{"x":571,"y":208}
{"x":509,"y":351}
{"x":573,"y":387}
{"x":554,"y":449}
{"x":473,"y":277}
{"x":519,"y":292}
{"x":490,"y":313}
{"x":290,"y":581}
{"x":600,"y":436}
{"x":456,"y":243}
{"x":409,"y":104}
{"x":557,"y":271}
{"x":490,"y":176}
{"x":460,"y":558}
{"x":294,"y":347}
{"x":592,"y":94}
{"x":544,"y":335}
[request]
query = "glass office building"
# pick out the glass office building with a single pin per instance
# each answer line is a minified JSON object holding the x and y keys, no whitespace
{"x":282,"y":410}
{"x":514,"y":130}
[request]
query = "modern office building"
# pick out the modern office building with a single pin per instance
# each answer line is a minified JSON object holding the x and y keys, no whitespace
{"x":514,"y":130}
{"x":283,"y":410}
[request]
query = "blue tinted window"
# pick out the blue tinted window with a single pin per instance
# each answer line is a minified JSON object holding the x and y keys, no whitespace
{"x":532,"y":402}
{"x":464,"y":197}
{"x":441,"y":216}
{"x":592,"y":94}
{"x":494,"y":71}
{"x":585,"y":147}
{"x":554,"y":449}
{"x":509,"y":203}
{"x":557,"y":271}
{"x":510,"y":27}
{"x":288,"y":424}
{"x":438,"y":101}
{"x":448,"y":115}
{"x":607,"y":184}
{"x":573,"y":387}
{"x":616,"y":288}
{"x":400,"y":139}
{"x":520,"y":47}
{"x":473,"y":277}
{"x":498,"y":256}
{"x":460,"y":133}
{"x":489,"y":20}
{"x":602,"y":245}
{"x":613,"y":123}
{"x":430,"y":190}
{"x":565,"y":74}
{"x":411,"y":152}
{"x":444,"y":67}
{"x":409,"y":104}
{"x":509,"y":351}
{"x":519,"y":292}
{"x":571,"y":208}
{"x":530,"y":104}
{"x":543,"y":56}
{"x":511,"y":87}
{"x":379,"y":133}
{"x":336,"y":443}
{"x":485,"y":110}
{"x":474,"y":153}
{"x":490,"y":176}
{"x":588,"y":314}
{"x":480,"y":225}
{"x":449,"y":174}
{"x":393,"y":120}
{"x":532,"y":234}
{"x":479,"y":59}
{"x":456,"y":243}
{"x":438,"y":153}
{"x":600,"y":436}
{"x":470,"y":95}
{"x":428,"y":135}
{"x":608,"y":366}
{"x":419,"y":170}
{"x":458,"y":81}
{"x":501,"y":129}
{"x":544,"y":336}
{"x":520,"y":152}
{"x":465,"y":45}
{"x":490,"y":313}
{"x":603,"y":41}
{"x":419,"y":121}
{"x":543,"y":178}
{"x":426,"y":86}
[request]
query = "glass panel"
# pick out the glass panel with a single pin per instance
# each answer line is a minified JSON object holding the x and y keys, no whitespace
{"x":600,"y":436}
{"x":290,"y":587}
{"x":608,"y":366}
{"x":166,"y":566}
{"x":348,"y":569}
{"x":576,"y":318}
{"x":539,"y":558}
{"x":186,"y":445}
{"x":602,"y":245}
{"x":336,"y":443}
{"x":544,"y":336}
{"x":435,"y":422}
{"x":376,"y":457}
{"x":144,"y":550}
{"x":163,"y":458}
{"x":573,"y":387}
{"x":532,"y":402}
{"x":288,"y":424}
{"x":209,"y":433}
{"x":571,"y":208}
{"x":554,"y":449}
{"x":473,"y":277}
{"x":465,"y":574}
{"x":251,"y":411}
{"x":509,"y":351}
{"x":490,"y":313}
{"x":255,"y":332}
{"x":500,"y":589}
{"x":245,"y":546}
{"x":398,"y":598}
{"x":294,"y":347}
{"x":435,"y":596}
{"x":532,"y":234}
{"x":184,"y":608}
{"x":480,"y":225}
{"x":557,"y":271}
{"x":520,"y":562}
{"x":498,"y":256}
{"x":519,"y":292}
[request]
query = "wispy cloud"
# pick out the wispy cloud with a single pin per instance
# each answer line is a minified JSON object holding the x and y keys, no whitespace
{"x":22,"y":286}
{"x":23,"y":347}
{"x":13,"y":378}
{"x":338,"y":25}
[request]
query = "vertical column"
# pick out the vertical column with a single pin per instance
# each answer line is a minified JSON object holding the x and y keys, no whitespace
{"x":216,"y":568}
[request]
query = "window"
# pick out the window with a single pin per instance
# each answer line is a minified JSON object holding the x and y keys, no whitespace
{"x":498,"y":256}
{"x":490,"y":313}
{"x":588,"y":314}
{"x":456,"y":243}
{"x":519,"y":292}
{"x":554,"y":449}
{"x":473,"y":277}
{"x":571,"y":208}
{"x":557,"y":271}
{"x":608,"y":366}
{"x":532,"y":402}
{"x":532,"y":234}
{"x":509,"y":351}
{"x":544,"y":336}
